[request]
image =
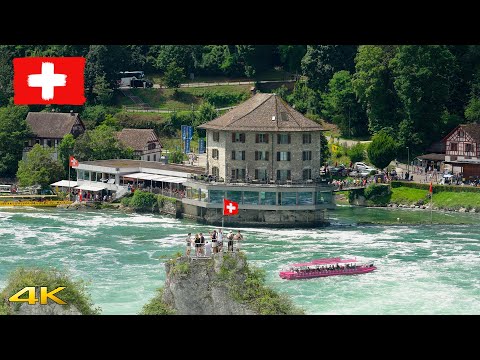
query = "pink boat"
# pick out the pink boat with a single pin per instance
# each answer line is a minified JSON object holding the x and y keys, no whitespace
{"x":326,"y":267}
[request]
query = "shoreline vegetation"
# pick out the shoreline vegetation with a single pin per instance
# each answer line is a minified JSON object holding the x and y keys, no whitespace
{"x":413,"y":196}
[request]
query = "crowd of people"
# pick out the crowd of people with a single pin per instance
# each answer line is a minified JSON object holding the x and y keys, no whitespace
{"x":198,"y":246}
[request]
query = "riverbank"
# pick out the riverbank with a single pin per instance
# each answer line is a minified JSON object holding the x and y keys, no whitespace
{"x":414,"y":196}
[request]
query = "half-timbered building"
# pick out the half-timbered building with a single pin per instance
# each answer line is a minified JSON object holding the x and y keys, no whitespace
{"x":462,"y":150}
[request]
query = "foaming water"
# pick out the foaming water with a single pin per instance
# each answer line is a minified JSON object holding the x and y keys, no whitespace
{"x":422,"y":269}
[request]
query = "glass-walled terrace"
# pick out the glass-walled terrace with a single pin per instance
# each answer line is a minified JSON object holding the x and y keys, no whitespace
{"x":250,"y":197}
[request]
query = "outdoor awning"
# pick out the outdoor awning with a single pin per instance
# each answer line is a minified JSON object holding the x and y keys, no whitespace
{"x":432,"y":157}
{"x":141,"y":176}
{"x":91,"y":187}
{"x":157,"y":177}
{"x":64,"y":183}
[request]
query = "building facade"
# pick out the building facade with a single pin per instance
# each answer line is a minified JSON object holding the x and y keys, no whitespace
{"x":49,"y":128}
{"x":266,"y":156}
{"x":462,"y":150}
{"x":144,"y":143}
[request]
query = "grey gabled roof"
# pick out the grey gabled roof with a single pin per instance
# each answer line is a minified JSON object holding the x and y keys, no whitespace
{"x":256,"y":114}
{"x":137,"y":139}
{"x":51,"y":124}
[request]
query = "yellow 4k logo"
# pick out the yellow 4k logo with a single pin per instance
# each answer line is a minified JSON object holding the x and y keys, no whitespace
{"x":44,"y":295}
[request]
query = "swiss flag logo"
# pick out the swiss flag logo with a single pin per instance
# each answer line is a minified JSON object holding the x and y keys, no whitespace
{"x":230,"y":207}
{"x":73,"y":162}
{"x":49,"y":80}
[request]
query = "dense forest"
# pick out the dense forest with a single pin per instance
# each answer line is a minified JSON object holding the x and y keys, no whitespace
{"x":414,"y":93}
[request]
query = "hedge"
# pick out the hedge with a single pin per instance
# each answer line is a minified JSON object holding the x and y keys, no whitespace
{"x":436,"y":188}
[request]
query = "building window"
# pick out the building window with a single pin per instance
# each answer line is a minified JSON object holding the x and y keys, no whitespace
{"x":250,"y":197}
{"x":261,"y":155}
{"x":216,"y":136}
{"x":235,"y":196}
{"x":238,"y":173}
{"x":288,"y":198}
{"x":261,"y":174}
{"x":268,"y":198}
{"x":215,"y":153}
{"x":215,"y":171}
{"x":151,"y":146}
{"x":307,"y":138}
{"x":154,"y":157}
{"x":238,"y":137}
{"x":283,"y":139}
{"x":148,"y":157}
{"x":305,"y":198}
{"x":307,"y":155}
{"x":461,"y":133}
{"x":283,"y":155}
{"x":37,"y":141}
{"x":468,"y":148}
{"x":284,"y":175}
{"x":261,"y":138}
{"x":216,"y":196}
{"x":453,"y":147}
{"x":307,"y":174}
{"x":238,"y":155}
{"x":49,"y":143}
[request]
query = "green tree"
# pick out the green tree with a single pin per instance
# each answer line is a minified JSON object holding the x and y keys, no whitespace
{"x":6,"y":74}
{"x":39,"y":168}
{"x":472,"y":111}
{"x":94,"y":115}
{"x":182,"y":55}
{"x":341,"y":106}
{"x":382,"y":150}
{"x":324,"y":149}
{"x":13,"y":134}
{"x":291,"y":56}
{"x":206,"y":112}
{"x":176,"y":157}
{"x":173,"y":76}
{"x":100,"y":144}
{"x":65,"y":150}
{"x":373,"y":84}
{"x":104,"y":94}
{"x":305,"y":99}
{"x":322,"y":61}
{"x":424,"y":76}
{"x":357,"y":152}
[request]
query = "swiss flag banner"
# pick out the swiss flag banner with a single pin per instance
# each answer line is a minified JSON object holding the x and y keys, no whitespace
{"x":230,"y":207}
{"x":73,"y":162}
{"x":49,"y":80}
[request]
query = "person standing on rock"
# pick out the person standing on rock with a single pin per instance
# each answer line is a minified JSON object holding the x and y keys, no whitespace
{"x":220,"y":240}
{"x":189,"y":243}
{"x":214,"y":241}
{"x":239,"y":238}
{"x":202,"y":244}
{"x":208,"y":249}
{"x":230,"y":240}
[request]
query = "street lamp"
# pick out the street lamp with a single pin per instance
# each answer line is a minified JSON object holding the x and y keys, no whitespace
{"x":408,"y":161}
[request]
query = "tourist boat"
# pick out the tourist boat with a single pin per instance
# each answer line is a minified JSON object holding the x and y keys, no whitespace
{"x":32,"y":200}
{"x":326,"y":267}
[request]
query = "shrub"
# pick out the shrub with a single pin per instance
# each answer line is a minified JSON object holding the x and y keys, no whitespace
{"x":378,"y":194}
{"x":157,"y":306}
{"x":142,"y":200}
{"x":357,"y":152}
{"x":382,"y":149}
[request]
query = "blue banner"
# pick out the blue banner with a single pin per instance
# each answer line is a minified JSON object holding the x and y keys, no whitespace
{"x":187,"y":145}
{"x":184,"y":132}
{"x":190,"y":132}
{"x":201,"y":146}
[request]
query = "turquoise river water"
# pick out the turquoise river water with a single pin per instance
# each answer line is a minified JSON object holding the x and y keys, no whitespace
{"x":422,"y":268}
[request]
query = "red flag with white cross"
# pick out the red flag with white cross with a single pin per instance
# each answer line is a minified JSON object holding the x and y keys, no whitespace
{"x":73,"y":162}
{"x":230,"y":207}
{"x":49,"y":80}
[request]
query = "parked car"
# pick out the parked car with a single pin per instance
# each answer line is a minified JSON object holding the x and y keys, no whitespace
{"x":340,"y":170}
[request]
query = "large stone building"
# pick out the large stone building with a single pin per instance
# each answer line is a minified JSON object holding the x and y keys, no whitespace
{"x":144,"y":143}
{"x":49,"y":128}
{"x":263,"y":139}
{"x":266,"y":156}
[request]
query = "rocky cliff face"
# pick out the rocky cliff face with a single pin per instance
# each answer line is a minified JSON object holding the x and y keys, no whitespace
{"x":199,"y":287}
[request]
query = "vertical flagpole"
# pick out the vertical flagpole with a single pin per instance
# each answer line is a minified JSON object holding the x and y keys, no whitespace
{"x":431,"y":207}
{"x":69,"y":188}
{"x":223,"y":216}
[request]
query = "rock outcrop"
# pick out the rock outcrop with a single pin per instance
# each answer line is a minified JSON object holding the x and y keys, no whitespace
{"x":198,"y":286}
